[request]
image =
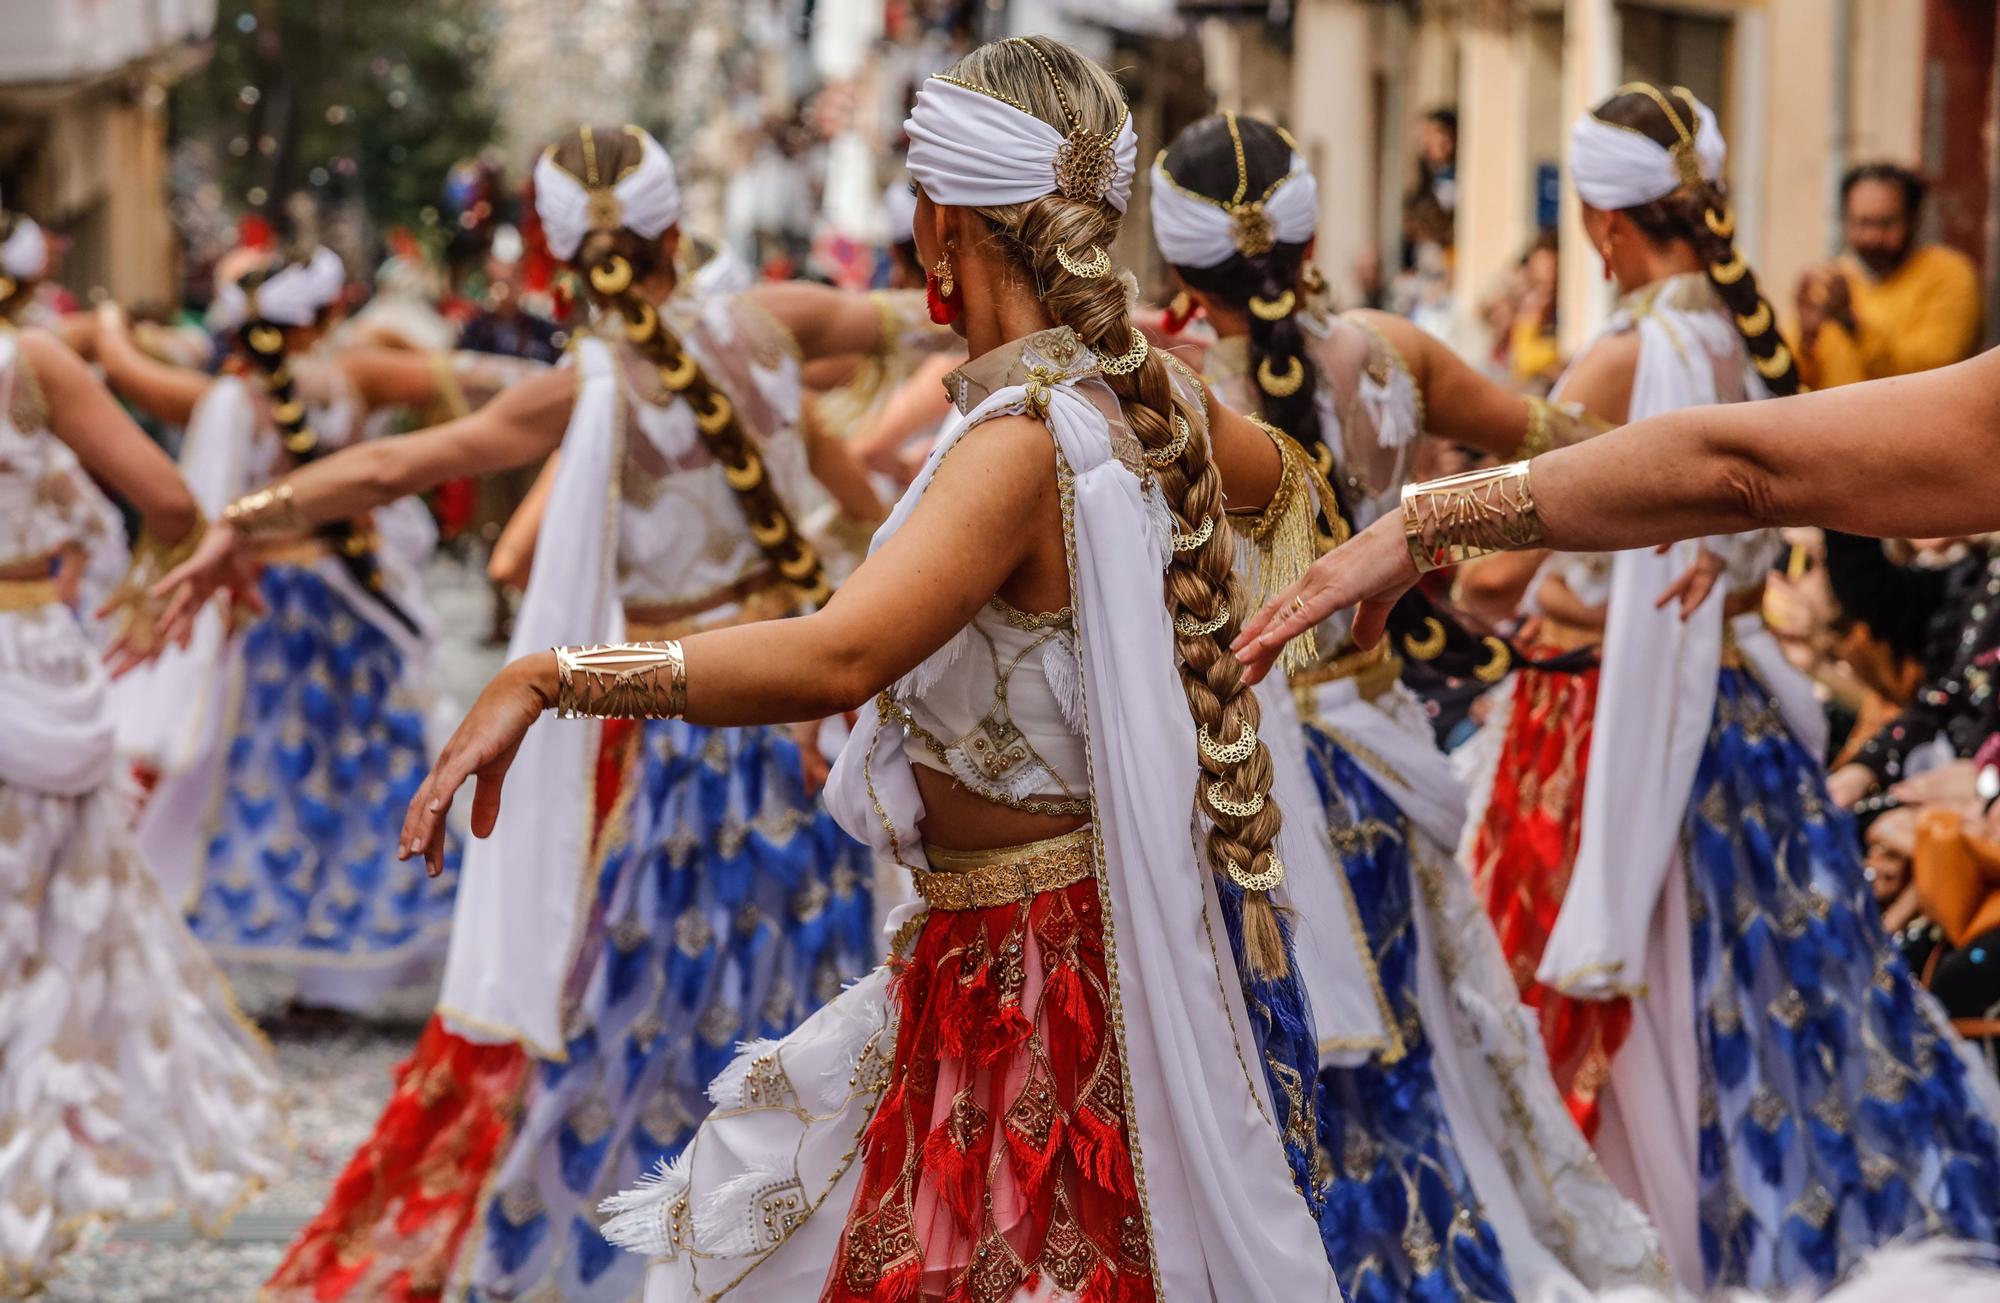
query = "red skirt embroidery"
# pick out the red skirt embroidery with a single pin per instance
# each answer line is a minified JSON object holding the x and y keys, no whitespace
{"x":998,"y":1159}
{"x":1521,"y":861}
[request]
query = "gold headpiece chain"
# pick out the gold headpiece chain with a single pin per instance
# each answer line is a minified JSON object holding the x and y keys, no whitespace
{"x":1687,"y":161}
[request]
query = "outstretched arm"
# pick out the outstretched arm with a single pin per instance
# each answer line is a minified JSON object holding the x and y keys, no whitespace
{"x":84,"y":415}
{"x":166,"y":392}
{"x":1912,"y":456}
{"x":990,"y":510}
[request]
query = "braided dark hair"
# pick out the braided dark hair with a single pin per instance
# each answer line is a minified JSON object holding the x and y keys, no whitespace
{"x":613,"y":263}
{"x":1699,"y":214}
{"x":266,"y":345}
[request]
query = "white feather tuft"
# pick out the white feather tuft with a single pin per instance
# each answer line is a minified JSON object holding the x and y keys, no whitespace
{"x":1065,"y":678}
{"x":641,"y":1219}
{"x":727,"y":1089}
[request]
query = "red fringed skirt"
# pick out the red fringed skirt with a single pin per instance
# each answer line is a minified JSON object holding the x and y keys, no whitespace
{"x":998,"y":1160}
{"x":1521,"y":861}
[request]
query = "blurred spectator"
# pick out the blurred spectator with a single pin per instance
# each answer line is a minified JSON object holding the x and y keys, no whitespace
{"x":1890,"y":306}
{"x":1956,"y":870}
{"x":1430,"y":209}
{"x":1522,"y":316}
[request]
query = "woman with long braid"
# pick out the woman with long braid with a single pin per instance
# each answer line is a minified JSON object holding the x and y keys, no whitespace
{"x":1048,"y":1086}
{"x":279,"y":749}
{"x":1815,"y":1103}
{"x":663,"y":892}
{"x":1234,"y":211}
{"x":128,"y":1084}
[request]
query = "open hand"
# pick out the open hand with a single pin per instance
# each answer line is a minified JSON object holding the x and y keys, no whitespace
{"x":1695,"y":583}
{"x":221,"y":561}
{"x":483,"y":747}
{"x":1370,"y":570}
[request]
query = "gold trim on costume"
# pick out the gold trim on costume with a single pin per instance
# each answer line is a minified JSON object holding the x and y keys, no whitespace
{"x":27,"y":594}
{"x":1007,"y":875}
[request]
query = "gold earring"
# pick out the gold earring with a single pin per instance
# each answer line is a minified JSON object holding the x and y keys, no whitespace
{"x":943,"y":272}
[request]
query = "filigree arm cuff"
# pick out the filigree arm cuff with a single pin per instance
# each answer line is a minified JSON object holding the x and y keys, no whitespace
{"x":1556,"y":425}
{"x":643,"y":680}
{"x":270,"y":512}
{"x":137,"y":610}
{"x":1460,"y":517}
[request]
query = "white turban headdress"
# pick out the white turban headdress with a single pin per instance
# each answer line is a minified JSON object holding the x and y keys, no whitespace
{"x":294,"y":296}
{"x":971,"y":148}
{"x":1621,"y":167}
{"x":645,"y":201}
{"x":1194,"y":230}
{"x":25,"y":255}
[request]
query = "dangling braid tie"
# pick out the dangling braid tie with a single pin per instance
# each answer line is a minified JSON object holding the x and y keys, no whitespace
{"x":264,"y":341}
{"x":772,"y":528}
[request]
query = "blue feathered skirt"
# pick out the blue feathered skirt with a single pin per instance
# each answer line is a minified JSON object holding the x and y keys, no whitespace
{"x":324,"y":748}
{"x":729,"y":907}
{"x":1835,"y":1110}
{"x":1370,"y":1147}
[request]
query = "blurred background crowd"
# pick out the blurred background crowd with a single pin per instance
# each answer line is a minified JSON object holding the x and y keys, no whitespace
{"x":153,"y":139}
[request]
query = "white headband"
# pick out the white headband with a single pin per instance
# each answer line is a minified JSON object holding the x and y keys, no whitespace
{"x":292,"y":297}
{"x":645,"y":201}
{"x":1195,"y":231}
{"x":971,"y":149}
{"x":25,"y":255}
{"x":902,"y":208}
{"x":1617,"y":167}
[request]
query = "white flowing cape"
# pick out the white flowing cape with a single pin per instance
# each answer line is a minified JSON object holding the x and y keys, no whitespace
{"x":1226,"y":1220}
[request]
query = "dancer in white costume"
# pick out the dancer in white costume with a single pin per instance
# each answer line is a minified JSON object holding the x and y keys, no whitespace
{"x":128,"y":1085}
{"x":1463,"y":1098}
{"x":1049,"y":1085}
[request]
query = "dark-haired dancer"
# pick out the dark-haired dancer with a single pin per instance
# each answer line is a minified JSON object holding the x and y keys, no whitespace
{"x":128,"y":1085}
{"x":1460,"y":1105}
{"x":1786,"y":1097}
{"x":661,"y":893}
{"x":281,"y":749}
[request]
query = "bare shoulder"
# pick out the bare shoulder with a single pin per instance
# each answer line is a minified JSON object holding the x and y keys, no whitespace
{"x":1601,"y":379}
{"x":51,"y":361}
{"x":1009,"y":461}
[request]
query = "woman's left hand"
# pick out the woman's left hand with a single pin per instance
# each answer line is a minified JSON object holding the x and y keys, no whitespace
{"x":1370,"y":570}
{"x":1695,"y":583}
{"x":482,"y":748}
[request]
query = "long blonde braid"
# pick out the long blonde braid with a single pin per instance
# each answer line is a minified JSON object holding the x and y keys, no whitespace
{"x":1056,"y":239}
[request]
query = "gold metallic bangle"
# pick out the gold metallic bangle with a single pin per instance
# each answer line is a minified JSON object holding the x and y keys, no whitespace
{"x":644,"y":680}
{"x":1460,"y":517}
{"x":137,"y":611}
{"x":1541,"y":436}
{"x":267,"y":513}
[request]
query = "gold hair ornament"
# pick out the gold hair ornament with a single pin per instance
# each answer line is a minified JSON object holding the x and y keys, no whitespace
{"x":289,"y":413}
{"x":301,"y":442}
{"x":1721,"y":224}
{"x":1091,"y":268}
{"x":646,"y":680}
{"x":1219,"y":802}
{"x":611,"y":277}
{"x":1498,"y":660}
{"x":744,"y":475}
{"x":1231,"y":753}
{"x":1265,"y":881}
{"x":266,"y":340}
{"x":1189,"y":542}
{"x":1086,"y":163}
{"x":1431,"y":645}
{"x":1728,"y":273}
{"x":770,"y":531}
{"x":1171,"y":453}
{"x":1273,"y":309}
{"x":800,"y":564}
{"x":1189,"y":627}
{"x":680,"y":374}
{"x":1281,"y":386}
{"x":1128,"y":361}
{"x":1775,"y":365}
{"x":1459,"y":517}
{"x":643,"y":327}
{"x":716,"y":416}
{"x":1757,"y":322}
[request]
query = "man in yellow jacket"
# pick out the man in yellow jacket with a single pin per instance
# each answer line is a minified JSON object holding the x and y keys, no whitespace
{"x":1890,"y":306}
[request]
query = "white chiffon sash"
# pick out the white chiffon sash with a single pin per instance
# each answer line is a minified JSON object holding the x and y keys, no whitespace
{"x":522,"y":895}
{"x":57,"y":726}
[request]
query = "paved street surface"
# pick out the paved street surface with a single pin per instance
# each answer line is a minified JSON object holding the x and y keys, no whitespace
{"x":336,"y":1070}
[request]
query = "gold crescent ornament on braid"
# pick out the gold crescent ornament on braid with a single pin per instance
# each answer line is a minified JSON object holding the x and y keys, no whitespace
{"x":1775,"y":365}
{"x":715,"y":418}
{"x":1266,"y":881}
{"x":1189,"y":627}
{"x":290,"y":413}
{"x":1130,"y":360}
{"x":1171,"y":453}
{"x":1281,"y":386}
{"x":301,"y":443}
{"x":267,"y":340}
{"x":611,"y":277}
{"x":744,"y":475}
{"x":1189,"y":542}
{"x":1728,"y":273}
{"x":678,"y":375}
{"x":770,"y":531}
{"x":1273,"y":309}
{"x":1218,"y":801}
{"x":643,"y":327}
{"x":800,"y":565}
{"x":1090,"y":268}
{"x":1757,"y":322}
{"x":1498,"y":661}
{"x":1232,"y":753}
{"x":1721,"y":222}
{"x":1431,"y":645}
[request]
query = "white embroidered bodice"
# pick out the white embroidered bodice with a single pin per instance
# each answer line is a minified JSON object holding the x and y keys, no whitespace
{"x":1370,"y":414}
{"x":30,"y":526}
{"x":682,"y":535}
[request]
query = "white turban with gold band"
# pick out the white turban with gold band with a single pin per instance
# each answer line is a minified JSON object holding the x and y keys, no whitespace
{"x":294,"y":296}
{"x":971,"y":149}
{"x":1618,"y":167}
{"x":645,"y":201}
{"x":1194,"y":230}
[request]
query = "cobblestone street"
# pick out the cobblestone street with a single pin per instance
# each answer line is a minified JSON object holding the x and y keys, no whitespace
{"x":337,"y":1072}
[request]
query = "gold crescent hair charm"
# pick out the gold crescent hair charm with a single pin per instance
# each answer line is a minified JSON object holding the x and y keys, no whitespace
{"x":1721,"y":222}
{"x":641,"y":328}
{"x":801,"y":565}
{"x":1728,"y":273}
{"x":716,"y":417}
{"x":1089,"y":268}
{"x":1281,"y":386}
{"x":1494,"y":667}
{"x":1128,"y":361}
{"x":289,"y":413}
{"x":1757,"y":322}
{"x":770,"y":530}
{"x":267,"y":340}
{"x":679,"y":375}
{"x":1775,"y":365}
{"x":1273,"y":309}
{"x":1431,"y":645}
{"x":301,"y":443}
{"x":611,"y":277}
{"x":1171,"y":453}
{"x":1264,"y":881}
{"x":745,"y":474}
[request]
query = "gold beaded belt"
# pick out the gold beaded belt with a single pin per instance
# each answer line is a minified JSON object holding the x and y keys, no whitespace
{"x":761,"y":596}
{"x":1007,"y":875}
{"x":1374,"y":670}
{"x":27,"y":594}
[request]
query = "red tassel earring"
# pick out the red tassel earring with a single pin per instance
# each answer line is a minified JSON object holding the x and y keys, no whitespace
{"x":1181,"y":309}
{"x":938,"y":289}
